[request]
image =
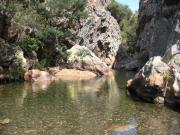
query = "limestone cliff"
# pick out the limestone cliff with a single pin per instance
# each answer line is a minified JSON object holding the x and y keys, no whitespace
{"x":100,"y":32}
{"x":158,"y":35}
{"x":158,"y":26}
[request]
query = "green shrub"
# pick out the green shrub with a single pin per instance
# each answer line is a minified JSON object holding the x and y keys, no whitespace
{"x":168,"y":76}
{"x":29,"y":44}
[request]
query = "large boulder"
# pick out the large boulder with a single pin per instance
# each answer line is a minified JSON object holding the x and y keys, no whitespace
{"x":81,"y":57}
{"x":100,"y":32}
{"x":149,"y":82}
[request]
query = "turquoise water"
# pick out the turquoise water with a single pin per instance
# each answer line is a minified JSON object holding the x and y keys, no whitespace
{"x":81,"y":108}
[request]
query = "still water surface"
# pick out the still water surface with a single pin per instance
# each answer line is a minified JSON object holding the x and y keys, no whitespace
{"x":91,"y":107}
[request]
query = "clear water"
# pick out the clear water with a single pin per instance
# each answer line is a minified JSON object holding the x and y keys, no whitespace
{"x":81,"y":108}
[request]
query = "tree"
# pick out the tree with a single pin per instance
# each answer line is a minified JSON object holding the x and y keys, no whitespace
{"x":42,"y":25}
{"x":128,"y":23}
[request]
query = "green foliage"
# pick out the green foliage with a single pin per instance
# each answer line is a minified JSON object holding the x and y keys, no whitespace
{"x":42,"y":64}
{"x":44,"y":27}
{"x":29,"y":44}
{"x":119,"y":11}
{"x":20,"y":73}
{"x":168,"y":76}
{"x":83,"y":52}
{"x":128,"y":23}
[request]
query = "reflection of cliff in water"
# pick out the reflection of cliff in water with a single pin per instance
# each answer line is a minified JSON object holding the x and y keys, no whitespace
{"x":81,"y":107}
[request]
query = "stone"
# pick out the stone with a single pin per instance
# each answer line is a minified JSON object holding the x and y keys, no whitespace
{"x":121,"y":129}
{"x":6,"y":54}
{"x":159,"y":100}
{"x":100,"y":32}
{"x":175,"y":64}
{"x":81,"y":57}
{"x":74,"y":75}
{"x":5,"y":121}
{"x":149,"y":82}
{"x":37,"y":76}
{"x":133,"y":65}
{"x":158,"y":26}
{"x":42,"y":78}
{"x":122,"y":58}
{"x":172,"y":51}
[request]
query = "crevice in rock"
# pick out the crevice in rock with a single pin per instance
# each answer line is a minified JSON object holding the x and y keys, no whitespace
{"x":103,"y":29}
{"x":100,"y":45}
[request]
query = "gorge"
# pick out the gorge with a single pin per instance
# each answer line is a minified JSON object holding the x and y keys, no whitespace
{"x":89,"y":67}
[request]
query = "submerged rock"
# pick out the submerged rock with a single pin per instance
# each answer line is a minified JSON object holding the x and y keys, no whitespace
{"x":121,"y":130}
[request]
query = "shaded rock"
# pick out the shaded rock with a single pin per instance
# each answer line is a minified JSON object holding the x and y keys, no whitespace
{"x":12,"y":62}
{"x":6,"y":54}
{"x":82,"y":58}
{"x":133,"y":65}
{"x":158,"y":26}
{"x":100,"y":32}
{"x":149,"y":81}
{"x":122,"y":58}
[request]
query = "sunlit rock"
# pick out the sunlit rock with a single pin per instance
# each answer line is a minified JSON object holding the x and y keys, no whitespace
{"x":149,"y":82}
{"x":82,"y":58}
{"x":100,"y":32}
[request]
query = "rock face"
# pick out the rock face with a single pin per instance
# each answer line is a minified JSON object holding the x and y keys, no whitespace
{"x":158,"y":26}
{"x":158,"y":81}
{"x":159,"y":35}
{"x":100,"y":32}
{"x":81,"y":57}
{"x":12,"y":62}
{"x":149,"y":81}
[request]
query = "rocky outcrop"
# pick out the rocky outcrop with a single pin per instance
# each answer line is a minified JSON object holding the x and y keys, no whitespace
{"x":158,"y":26}
{"x":12,"y":62}
{"x":159,"y":35}
{"x":100,"y":32}
{"x":148,"y":83}
{"x":157,"y":81}
{"x":43,"y":77}
{"x":81,"y":57}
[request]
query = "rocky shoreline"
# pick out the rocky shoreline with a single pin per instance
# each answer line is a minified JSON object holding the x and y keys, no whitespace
{"x":38,"y":76}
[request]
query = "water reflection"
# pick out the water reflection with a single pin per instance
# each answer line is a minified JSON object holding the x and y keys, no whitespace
{"x":81,"y":108}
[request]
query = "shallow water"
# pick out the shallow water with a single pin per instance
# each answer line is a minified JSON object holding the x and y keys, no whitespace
{"x":93,"y":107}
